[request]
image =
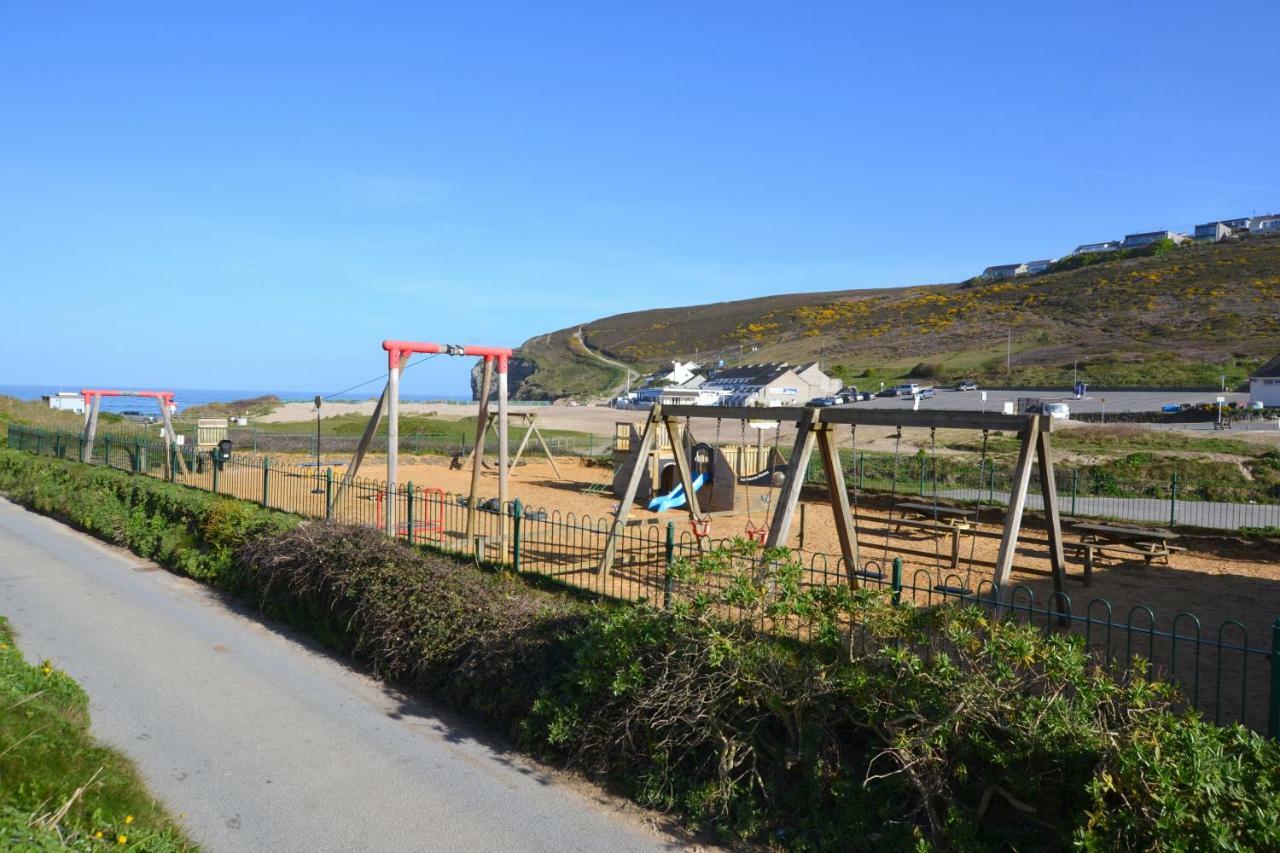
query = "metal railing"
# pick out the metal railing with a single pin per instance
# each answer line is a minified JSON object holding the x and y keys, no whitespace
{"x":1222,"y":671}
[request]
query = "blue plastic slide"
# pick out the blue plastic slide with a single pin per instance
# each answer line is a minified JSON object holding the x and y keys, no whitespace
{"x":675,"y":498}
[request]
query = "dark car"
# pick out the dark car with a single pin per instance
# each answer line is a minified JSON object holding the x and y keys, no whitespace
{"x":891,"y":391}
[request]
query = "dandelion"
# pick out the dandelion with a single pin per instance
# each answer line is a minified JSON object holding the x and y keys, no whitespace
{"x":3,"y":646}
{"x":98,"y":834}
{"x":128,"y":818}
{"x":122,"y":839}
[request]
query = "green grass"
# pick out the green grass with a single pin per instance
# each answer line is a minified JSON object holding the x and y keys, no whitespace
{"x":47,"y":755}
{"x":353,"y":425}
{"x":1104,"y":441}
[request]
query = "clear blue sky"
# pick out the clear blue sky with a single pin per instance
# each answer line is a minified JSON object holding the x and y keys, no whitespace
{"x":250,"y":197}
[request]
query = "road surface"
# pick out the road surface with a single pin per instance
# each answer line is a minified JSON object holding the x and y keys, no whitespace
{"x":265,"y":743}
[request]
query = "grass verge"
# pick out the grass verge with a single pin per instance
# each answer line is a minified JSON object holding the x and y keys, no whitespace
{"x":59,"y":789}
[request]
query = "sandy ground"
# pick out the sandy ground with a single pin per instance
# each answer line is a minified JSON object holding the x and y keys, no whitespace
{"x":1217,"y":578}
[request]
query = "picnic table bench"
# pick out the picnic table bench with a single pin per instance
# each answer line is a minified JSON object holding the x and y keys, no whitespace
{"x":1145,"y":542}
{"x":940,"y":527}
{"x":952,"y":516}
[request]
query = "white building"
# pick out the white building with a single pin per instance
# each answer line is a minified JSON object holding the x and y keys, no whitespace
{"x":1212,"y":232}
{"x":65,"y":401}
{"x":1004,"y":271}
{"x":1264,"y":386}
{"x":1037,"y":267}
{"x":1269,"y":224}
{"x":1106,"y":246}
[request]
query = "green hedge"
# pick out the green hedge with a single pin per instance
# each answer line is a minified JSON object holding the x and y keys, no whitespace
{"x":918,"y":729}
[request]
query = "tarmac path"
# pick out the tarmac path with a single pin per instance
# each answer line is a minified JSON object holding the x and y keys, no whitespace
{"x":265,"y":742}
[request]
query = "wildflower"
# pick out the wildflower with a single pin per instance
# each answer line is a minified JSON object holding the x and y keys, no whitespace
{"x":3,"y":646}
{"x":98,"y":834}
{"x":122,"y":839}
{"x":128,"y":818}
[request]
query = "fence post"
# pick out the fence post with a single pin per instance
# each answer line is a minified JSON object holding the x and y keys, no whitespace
{"x":1075,"y":473}
{"x":216,"y":467}
{"x":862,"y":468}
{"x":39,"y":441}
{"x":328,"y":494}
{"x":667,"y":582}
{"x":516,"y":523}
{"x":137,"y":456}
{"x":106,"y":450}
{"x":408,"y":514}
{"x":921,"y":476}
{"x":266,"y":481}
{"x":1273,"y":711}
{"x":173,"y":463}
{"x":896,"y":580}
{"x":1173,"y":499}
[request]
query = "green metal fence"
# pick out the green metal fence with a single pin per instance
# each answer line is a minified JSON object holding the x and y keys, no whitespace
{"x":1225,"y":672}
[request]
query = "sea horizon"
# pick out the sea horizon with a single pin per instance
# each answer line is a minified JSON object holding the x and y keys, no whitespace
{"x":187,"y":397}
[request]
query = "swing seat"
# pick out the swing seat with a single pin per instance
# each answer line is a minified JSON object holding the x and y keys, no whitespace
{"x":701,"y":527}
{"x":948,"y":589}
{"x":867,"y":573}
{"x":756,"y":534}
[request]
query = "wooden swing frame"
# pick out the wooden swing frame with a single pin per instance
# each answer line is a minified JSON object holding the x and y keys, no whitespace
{"x":817,"y":427}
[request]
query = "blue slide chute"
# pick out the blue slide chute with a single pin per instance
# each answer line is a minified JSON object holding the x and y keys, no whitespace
{"x":675,"y":498}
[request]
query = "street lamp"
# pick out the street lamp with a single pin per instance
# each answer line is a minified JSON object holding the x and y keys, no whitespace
{"x":317,"y":490}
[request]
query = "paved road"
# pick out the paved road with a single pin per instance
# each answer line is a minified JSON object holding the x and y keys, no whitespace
{"x":1214,"y":515}
{"x":1096,"y":401}
{"x":264,"y":743}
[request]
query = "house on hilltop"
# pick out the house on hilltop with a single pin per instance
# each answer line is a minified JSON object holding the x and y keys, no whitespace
{"x":1037,"y":267}
{"x":1106,"y":246}
{"x":1004,"y":271}
{"x":1264,"y":385}
{"x":1269,"y":224}
{"x":1146,"y":238}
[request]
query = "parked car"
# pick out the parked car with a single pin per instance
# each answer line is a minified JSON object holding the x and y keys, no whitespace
{"x":1058,"y":411}
{"x":137,"y":417}
{"x":853,"y":395}
{"x":823,"y":402}
{"x":967,"y":385}
{"x":924,"y":394}
{"x":908,"y":389}
{"x":888,"y":392}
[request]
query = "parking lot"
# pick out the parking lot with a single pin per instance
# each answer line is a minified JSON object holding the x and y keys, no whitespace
{"x":1102,"y":401}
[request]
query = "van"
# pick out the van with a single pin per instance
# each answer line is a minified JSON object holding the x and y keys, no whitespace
{"x":909,"y":389}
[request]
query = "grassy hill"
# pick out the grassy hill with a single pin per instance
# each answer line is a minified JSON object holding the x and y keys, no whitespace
{"x":1168,"y":316}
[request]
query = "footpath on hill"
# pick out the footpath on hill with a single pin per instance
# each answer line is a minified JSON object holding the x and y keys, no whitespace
{"x":265,"y":743}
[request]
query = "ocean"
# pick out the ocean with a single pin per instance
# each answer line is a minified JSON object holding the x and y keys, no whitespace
{"x":185,"y":397}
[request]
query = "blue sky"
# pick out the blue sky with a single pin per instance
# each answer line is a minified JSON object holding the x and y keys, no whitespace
{"x":251,"y":197}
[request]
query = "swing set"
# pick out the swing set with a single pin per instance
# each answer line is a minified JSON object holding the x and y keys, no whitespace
{"x":816,"y":427}
{"x":164,"y":399}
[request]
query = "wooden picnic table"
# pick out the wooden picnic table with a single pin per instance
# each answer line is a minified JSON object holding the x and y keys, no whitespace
{"x":1148,"y":543}
{"x":953,"y":515}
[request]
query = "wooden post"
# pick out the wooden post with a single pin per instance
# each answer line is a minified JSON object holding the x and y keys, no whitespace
{"x":504,"y":469}
{"x":171,"y":437}
{"x":682,"y":469}
{"x":524,"y":442}
{"x":362,"y":448}
{"x":1052,"y":520}
{"x":780,"y":525}
{"x":839,"y":496}
{"x":477,"y":452}
{"x":1017,"y":502}
{"x":633,"y":486}
{"x":90,"y":429}
{"x":393,"y":441}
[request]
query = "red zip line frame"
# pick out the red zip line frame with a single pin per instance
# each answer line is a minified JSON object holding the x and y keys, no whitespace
{"x":398,"y":353}
{"x":93,"y":403}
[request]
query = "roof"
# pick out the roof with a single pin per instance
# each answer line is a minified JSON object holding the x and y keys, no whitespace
{"x":1148,"y":233}
{"x":756,"y":374}
{"x":1271,"y":368}
{"x":1006,"y":266}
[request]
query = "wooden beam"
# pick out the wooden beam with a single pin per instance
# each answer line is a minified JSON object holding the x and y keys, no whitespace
{"x":1017,"y":503}
{"x":942,"y":418}
{"x":1053,"y":522}
{"x":780,"y":525}
{"x":633,"y":486}
{"x":839,"y":497}
{"x":533,"y":428}
{"x":483,"y":422}
{"x":170,"y":439}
